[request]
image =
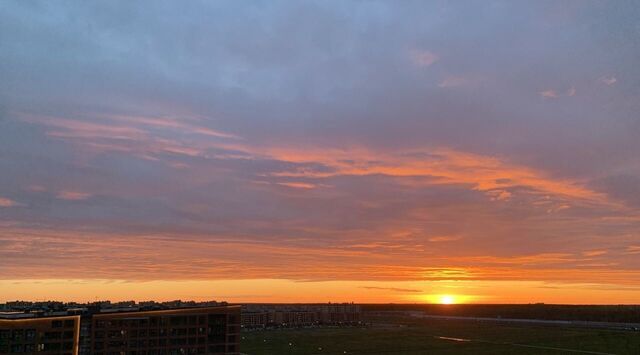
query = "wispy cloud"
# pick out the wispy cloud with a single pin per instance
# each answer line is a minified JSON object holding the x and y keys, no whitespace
{"x":500,"y":195}
{"x":394,"y":289}
{"x":36,"y":188}
{"x":73,"y":195}
{"x":608,"y":80}
{"x":6,"y":202}
{"x":549,"y":94}
{"x":298,"y":185}
{"x":423,"y":58}
{"x":591,"y":253}
{"x":454,"y":81}
{"x":490,"y":174}
{"x":440,"y":239}
{"x":633,"y":249}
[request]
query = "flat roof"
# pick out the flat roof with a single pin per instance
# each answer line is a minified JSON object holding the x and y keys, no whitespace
{"x":16,"y":315}
{"x":104,"y":313}
{"x":131,"y":312}
{"x":35,"y":318}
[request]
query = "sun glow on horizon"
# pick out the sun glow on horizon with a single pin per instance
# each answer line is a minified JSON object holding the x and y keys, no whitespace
{"x":447,"y":299}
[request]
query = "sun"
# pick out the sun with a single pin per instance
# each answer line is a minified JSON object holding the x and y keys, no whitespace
{"x":447,"y":299}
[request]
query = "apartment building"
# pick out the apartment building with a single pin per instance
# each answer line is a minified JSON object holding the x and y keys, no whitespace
{"x":27,"y":333}
{"x":199,"y":330}
{"x":128,"y":330}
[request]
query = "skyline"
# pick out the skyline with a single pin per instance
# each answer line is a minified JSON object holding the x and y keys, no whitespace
{"x":320,"y":151}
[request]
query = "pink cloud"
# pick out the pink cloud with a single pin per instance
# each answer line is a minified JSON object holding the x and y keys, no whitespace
{"x":549,"y":94}
{"x":73,"y":195}
{"x":423,"y":58}
{"x":5,"y":202}
{"x":499,"y":195}
{"x":558,"y":208}
{"x":36,"y":188}
{"x":297,"y":185}
{"x":170,"y":123}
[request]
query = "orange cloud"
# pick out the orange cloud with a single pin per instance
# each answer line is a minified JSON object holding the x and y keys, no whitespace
{"x":145,"y":257}
{"x":594,"y":252}
{"x":175,"y":124}
{"x":274,"y":290}
{"x":444,"y":239}
{"x":440,"y":166}
{"x":499,"y":195}
{"x":401,"y":248}
{"x":633,"y":249}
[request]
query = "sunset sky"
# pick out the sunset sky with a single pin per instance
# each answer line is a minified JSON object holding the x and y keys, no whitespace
{"x":286,"y":151}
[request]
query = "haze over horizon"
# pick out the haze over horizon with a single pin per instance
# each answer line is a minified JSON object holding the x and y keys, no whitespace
{"x":284,"y":151}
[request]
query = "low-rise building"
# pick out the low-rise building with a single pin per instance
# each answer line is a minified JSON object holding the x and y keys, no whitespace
{"x":131,"y":329}
{"x":255,"y":319}
{"x":197,"y":330}
{"x":27,"y":333}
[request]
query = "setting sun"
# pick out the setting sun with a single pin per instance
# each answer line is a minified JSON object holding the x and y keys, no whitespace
{"x":447,"y":299}
{"x":440,"y":298}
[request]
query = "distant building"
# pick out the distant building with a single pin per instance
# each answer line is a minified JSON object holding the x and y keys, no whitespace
{"x":26,"y":333}
{"x":299,"y":315}
{"x":336,"y":313}
{"x":255,"y":319}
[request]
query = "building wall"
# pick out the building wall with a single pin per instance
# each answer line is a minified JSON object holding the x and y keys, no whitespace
{"x":255,"y":319}
{"x":206,"y":330}
{"x":45,"y":335}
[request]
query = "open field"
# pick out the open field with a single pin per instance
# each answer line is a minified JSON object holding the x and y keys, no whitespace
{"x":541,"y":311}
{"x":414,"y":337}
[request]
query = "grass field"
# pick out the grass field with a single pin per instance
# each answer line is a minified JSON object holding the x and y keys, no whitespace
{"x":441,"y":337}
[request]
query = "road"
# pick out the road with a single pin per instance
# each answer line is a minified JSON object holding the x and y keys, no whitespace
{"x":582,"y":324}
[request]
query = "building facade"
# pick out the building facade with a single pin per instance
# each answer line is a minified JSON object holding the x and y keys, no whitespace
{"x":213,"y":330}
{"x":27,"y":334}
{"x":200,"y":330}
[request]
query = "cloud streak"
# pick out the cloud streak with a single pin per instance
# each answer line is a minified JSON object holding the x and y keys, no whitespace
{"x":6,"y":202}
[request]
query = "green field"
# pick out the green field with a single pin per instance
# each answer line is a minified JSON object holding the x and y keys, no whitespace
{"x":428,"y":337}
